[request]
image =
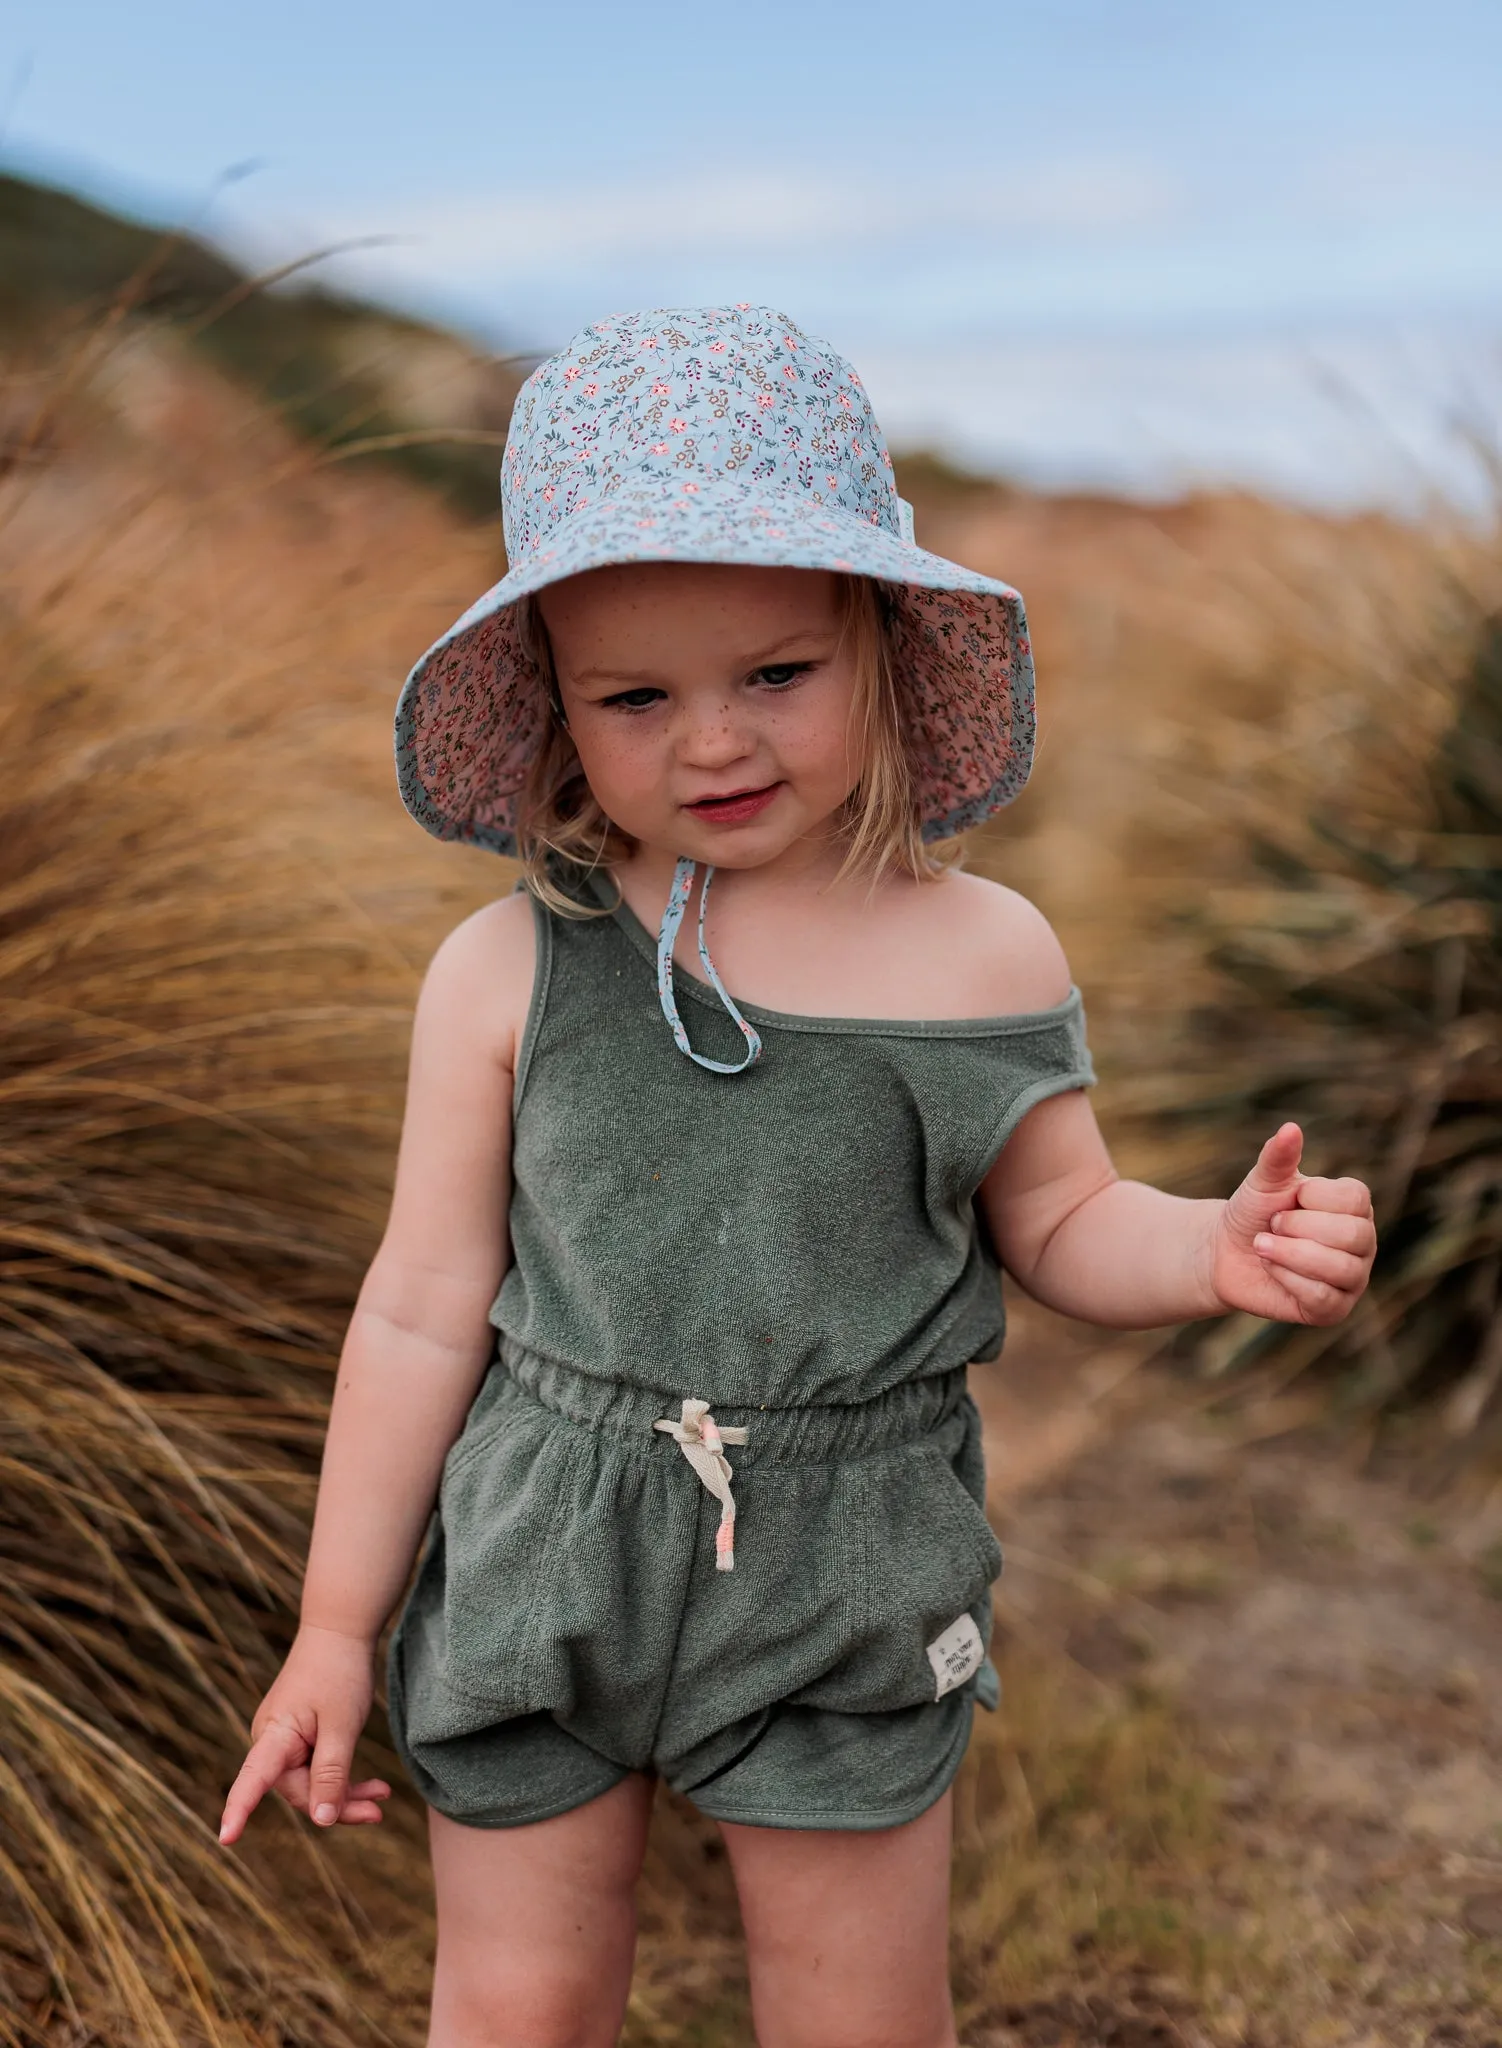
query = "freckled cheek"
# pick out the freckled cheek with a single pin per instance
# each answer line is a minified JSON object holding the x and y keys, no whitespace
{"x":625,"y":771}
{"x":817,"y":750}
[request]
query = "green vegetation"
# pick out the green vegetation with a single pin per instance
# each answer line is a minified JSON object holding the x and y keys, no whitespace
{"x":1359,"y":990}
{"x":351,"y":377}
{"x":933,"y":483}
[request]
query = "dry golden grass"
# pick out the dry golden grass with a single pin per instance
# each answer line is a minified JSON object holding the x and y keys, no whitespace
{"x":204,"y":1018}
{"x":1195,"y":659}
{"x":197,"y":1092}
{"x":212,"y":919}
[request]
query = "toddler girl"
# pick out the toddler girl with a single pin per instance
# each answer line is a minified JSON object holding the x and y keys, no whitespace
{"x":718,"y":1134}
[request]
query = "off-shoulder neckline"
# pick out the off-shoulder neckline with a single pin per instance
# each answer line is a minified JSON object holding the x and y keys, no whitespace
{"x":1011,"y":1022}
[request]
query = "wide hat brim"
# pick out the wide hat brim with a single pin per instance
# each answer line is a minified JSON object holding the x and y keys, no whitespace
{"x":473,"y":711}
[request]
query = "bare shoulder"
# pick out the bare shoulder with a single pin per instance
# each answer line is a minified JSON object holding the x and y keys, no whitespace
{"x":478,"y":986}
{"x":1005,"y":950}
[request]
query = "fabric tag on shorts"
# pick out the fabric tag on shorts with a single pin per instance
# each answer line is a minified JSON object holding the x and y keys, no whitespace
{"x":956,"y":1655}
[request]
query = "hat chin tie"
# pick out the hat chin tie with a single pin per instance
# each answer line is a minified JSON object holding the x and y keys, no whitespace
{"x":667,"y":938}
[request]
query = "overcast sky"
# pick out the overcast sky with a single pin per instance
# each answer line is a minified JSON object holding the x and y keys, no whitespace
{"x":1125,"y":241}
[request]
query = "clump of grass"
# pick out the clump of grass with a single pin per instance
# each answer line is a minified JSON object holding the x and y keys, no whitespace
{"x":1356,"y":986}
{"x":196,"y":1085}
{"x":211,"y":917}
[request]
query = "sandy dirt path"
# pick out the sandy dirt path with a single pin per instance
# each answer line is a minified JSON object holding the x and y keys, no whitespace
{"x":1334,"y":1643}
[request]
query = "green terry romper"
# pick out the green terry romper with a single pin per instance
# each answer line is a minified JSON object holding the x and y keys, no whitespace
{"x":795,"y":1246}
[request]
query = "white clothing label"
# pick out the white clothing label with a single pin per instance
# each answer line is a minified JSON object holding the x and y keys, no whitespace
{"x":956,"y":1655}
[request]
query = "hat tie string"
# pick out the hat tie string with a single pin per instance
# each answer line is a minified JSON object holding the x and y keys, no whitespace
{"x":667,"y":938}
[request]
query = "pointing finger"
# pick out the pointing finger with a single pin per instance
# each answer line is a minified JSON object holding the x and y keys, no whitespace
{"x":277,"y":1749}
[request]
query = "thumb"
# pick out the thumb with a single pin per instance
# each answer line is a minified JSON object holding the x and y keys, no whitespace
{"x":1270,"y":1186}
{"x":1276,"y":1171}
{"x":328,"y":1779}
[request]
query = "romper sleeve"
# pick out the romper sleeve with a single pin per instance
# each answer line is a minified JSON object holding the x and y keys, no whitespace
{"x":1042,"y":1054}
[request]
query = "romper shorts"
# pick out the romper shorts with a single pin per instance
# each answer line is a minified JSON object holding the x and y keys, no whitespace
{"x":568,"y":1626}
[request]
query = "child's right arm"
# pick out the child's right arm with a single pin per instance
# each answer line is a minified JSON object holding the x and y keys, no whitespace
{"x":418,"y":1344}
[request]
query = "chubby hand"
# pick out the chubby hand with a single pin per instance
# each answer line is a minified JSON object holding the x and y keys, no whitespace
{"x":1291,"y":1246}
{"x":304,"y":1734}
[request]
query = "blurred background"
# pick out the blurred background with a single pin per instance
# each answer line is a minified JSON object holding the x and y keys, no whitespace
{"x":1086,"y":244}
{"x":1185,"y":319}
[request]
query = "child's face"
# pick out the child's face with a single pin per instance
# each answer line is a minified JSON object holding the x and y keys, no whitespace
{"x":711,"y":706}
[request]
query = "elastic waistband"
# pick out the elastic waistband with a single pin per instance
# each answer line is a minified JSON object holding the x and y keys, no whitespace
{"x":807,"y":1436}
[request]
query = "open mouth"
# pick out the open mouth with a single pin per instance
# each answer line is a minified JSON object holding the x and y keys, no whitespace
{"x":735,"y":806}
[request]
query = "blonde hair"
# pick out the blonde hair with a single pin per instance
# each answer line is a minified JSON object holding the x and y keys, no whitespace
{"x":558,"y":818}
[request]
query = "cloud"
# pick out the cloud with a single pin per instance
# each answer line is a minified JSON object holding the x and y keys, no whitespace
{"x":1086,"y":236}
{"x":1338,"y":418}
{"x":755,"y":211}
{"x":1400,"y":177}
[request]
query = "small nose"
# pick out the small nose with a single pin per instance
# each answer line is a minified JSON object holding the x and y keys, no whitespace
{"x":709,"y":734}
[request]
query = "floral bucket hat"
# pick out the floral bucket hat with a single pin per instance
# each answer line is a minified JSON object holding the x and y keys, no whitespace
{"x":711,"y":434}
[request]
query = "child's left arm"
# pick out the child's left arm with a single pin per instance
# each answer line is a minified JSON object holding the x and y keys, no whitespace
{"x":1287,"y":1245}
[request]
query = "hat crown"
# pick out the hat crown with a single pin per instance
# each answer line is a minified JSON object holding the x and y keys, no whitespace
{"x":672,"y":399}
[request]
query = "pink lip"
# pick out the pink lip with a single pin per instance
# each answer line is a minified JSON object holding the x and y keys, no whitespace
{"x":735,"y":807}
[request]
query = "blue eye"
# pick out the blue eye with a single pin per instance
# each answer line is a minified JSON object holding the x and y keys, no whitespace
{"x":636,"y":700}
{"x":778,"y":674}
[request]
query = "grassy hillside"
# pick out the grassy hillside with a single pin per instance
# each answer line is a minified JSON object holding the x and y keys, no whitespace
{"x":347,"y":375}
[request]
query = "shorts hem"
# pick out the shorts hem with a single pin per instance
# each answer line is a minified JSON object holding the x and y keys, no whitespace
{"x":837,"y":1819}
{"x":840,"y":1819}
{"x":507,"y":1817}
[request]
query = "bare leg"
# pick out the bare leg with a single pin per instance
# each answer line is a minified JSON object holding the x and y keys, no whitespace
{"x":537,"y":1925}
{"x":847,"y":1935}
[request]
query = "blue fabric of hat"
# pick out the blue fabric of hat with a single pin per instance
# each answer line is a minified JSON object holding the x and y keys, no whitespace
{"x":712,"y":434}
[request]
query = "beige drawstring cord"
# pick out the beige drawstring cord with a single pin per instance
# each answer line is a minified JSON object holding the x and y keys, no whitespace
{"x":703,"y":1442}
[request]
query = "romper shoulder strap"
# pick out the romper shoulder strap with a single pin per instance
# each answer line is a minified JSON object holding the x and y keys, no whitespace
{"x":543,"y":920}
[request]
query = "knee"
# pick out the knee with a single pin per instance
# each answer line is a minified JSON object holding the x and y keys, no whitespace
{"x":489,"y":2007}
